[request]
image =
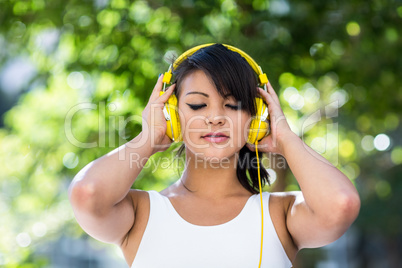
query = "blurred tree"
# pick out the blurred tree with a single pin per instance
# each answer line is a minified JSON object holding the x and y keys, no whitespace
{"x":80,"y":73}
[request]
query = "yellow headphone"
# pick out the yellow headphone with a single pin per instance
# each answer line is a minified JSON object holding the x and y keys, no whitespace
{"x":258,"y":129}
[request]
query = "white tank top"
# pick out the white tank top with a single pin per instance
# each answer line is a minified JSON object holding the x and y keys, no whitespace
{"x":169,"y":241}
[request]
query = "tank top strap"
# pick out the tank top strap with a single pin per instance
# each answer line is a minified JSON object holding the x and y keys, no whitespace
{"x":158,"y":209}
{"x":155,"y":197}
{"x":268,"y":224}
{"x":265,"y":201}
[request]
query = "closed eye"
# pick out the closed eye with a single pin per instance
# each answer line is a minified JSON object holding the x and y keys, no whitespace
{"x":196,"y":106}
{"x":233,"y":107}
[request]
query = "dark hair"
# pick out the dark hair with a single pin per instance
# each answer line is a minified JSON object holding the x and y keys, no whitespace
{"x":231,"y":74}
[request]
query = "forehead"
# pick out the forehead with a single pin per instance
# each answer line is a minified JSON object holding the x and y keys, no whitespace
{"x":199,"y":83}
{"x":197,"y":80}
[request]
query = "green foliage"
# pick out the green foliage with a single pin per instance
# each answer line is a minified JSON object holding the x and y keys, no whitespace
{"x":96,"y":63}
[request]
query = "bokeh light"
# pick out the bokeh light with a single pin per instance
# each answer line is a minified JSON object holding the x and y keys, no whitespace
{"x":340,"y":96}
{"x":367,"y":143}
{"x":70,"y":160}
{"x":318,"y":144}
{"x":396,"y":155}
{"x":382,"y":142}
{"x":289,"y":92}
{"x":383,"y":188}
{"x":23,"y":240}
{"x":311,"y":95}
{"x":337,"y":47}
{"x":347,"y":148}
{"x":353,"y":28}
{"x":75,"y":80}
{"x":39,"y":229}
{"x":296,"y":101}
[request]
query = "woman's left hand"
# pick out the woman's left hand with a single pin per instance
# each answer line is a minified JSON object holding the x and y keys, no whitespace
{"x":278,"y":124}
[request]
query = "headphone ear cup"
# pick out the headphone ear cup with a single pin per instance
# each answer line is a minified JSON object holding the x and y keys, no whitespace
{"x":259,"y":127}
{"x":173,"y":130}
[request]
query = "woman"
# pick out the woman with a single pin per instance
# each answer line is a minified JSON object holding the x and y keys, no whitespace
{"x":211,"y":216}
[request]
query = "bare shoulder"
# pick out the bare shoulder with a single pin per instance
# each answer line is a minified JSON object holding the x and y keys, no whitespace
{"x":279,"y":205}
{"x":139,"y":197}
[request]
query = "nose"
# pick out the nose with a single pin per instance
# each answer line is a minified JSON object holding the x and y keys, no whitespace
{"x":215,"y":120}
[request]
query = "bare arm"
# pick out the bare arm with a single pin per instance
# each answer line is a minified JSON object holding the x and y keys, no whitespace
{"x":99,"y":193}
{"x":328,"y":202}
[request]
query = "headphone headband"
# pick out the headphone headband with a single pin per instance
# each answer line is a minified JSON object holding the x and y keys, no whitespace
{"x":262,"y":77}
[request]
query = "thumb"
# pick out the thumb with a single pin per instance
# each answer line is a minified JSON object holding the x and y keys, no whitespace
{"x":251,"y":147}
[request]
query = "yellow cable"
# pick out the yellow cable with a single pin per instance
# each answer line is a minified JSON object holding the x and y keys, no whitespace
{"x":262,"y":211}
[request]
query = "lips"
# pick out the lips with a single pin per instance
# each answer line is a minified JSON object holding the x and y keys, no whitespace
{"x":215,"y":137}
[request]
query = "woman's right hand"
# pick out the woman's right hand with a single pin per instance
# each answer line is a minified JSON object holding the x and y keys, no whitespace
{"x":153,"y":120}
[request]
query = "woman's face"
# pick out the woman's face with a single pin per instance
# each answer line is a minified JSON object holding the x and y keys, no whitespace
{"x":214,"y":128}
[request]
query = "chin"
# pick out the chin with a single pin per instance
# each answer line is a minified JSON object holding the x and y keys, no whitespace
{"x":213,"y":155}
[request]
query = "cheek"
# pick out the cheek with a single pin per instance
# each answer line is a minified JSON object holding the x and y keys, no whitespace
{"x":243,"y":125}
{"x":183,"y":116}
{"x":243,"y":119}
{"x":192,"y":124}
{"x":190,"y":119}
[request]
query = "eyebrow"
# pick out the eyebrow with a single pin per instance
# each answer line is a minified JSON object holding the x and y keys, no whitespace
{"x":206,"y":95}
{"x":197,"y":92}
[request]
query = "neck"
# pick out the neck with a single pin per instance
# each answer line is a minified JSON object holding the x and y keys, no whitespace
{"x":208,"y":179}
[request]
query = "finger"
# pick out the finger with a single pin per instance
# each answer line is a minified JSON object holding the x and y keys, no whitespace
{"x":268,"y":98}
{"x":157,"y":89}
{"x":167,"y":141}
{"x":166,"y":95}
{"x":274,"y":109}
{"x":272,"y":92}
